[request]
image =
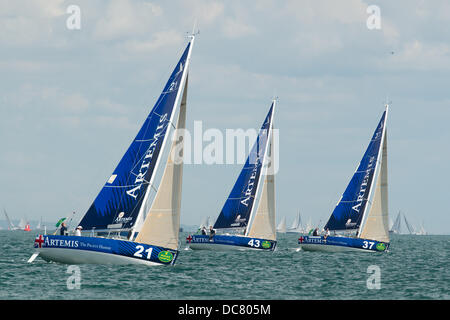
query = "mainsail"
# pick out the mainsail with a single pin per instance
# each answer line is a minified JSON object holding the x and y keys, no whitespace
{"x":296,"y":224}
{"x":237,"y":210}
{"x":397,"y":224}
{"x":120,"y":202}
{"x":282,"y":226}
{"x":408,"y":226}
{"x":349,"y":212}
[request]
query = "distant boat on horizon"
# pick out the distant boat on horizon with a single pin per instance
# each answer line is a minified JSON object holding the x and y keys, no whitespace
{"x":11,"y":226}
{"x":281,"y":228}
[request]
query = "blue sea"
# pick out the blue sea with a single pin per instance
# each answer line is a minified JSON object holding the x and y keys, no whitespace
{"x":416,"y":267}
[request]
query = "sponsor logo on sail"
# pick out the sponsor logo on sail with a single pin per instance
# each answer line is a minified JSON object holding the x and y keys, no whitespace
{"x":251,"y":184}
{"x":165,"y":256}
{"x":363,"y":187}
{"x":148,"y":157}
{"x":120,"y":218}
{"x":238,"y":221}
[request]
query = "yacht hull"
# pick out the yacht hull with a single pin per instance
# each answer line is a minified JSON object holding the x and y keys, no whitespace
{"x":341,"y":244}
{"x":229,"y":242}
{"x":93,"y":250}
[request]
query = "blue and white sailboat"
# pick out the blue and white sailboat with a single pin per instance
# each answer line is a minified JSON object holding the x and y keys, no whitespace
{"x":125,"y":205}
{"x":245,"y":222}
{"x":360,"y":219}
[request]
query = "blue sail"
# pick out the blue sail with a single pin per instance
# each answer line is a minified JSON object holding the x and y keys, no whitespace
{"x":119,"y":201}
{"x":238,"y":207}
{"x":349,"y":211}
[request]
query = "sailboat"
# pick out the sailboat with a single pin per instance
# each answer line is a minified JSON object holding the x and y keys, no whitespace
{"x":282,"y":226}
{"x":360,"y":219}
{"x":39,"y":225}
{"x":247,"y":219}
{"x":124,"y":205}
{"x":422,"y":231}
{"x":11,"y":226}
{"x":395,"y":229}
{"x":22,"y":224}
{"x":296,"y":225}
{"x":408,"y":226}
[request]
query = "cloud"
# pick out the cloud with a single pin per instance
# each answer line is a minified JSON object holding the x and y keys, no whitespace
{"x":158,"y":40}
{"x":124,"y":18}
{"x":234,"y":28}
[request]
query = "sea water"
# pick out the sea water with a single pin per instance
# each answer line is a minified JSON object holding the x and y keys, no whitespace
{"x":416,"y":267}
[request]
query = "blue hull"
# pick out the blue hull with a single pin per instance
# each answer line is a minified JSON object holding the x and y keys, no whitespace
{"x":75,"y":249}
{"x":319,"y":243}
{"x":230,"y":242}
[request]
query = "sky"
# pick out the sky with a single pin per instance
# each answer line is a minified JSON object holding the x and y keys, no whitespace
{"x":72,"y":99}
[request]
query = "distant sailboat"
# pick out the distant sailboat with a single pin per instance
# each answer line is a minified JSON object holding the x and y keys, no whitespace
{"x":22,"y":224}
{"x":360,"y":219}
{"x":246,"y":220}
{"x":124,"y":205}
{"x":408,"y":226}
{"x":396,"y":227}
{"x":422,"y":231}
{"x":282,"y":226}
{"x":296,"y":225}
{"x":11,"y":226}
{"x":39,"y":225}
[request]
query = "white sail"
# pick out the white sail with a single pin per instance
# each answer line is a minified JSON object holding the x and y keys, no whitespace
{"x":10,"y":224}
{"x":376,"y":226}
{"x":22,"y":223}
{"x":408,"y":226}
{"x":263,"y":225}
{"x":282,"y":226}
{"x":162,"y":223}
{"x":397,"y":224}
{"x":296,"y":224}
{"x":39,"y":225}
